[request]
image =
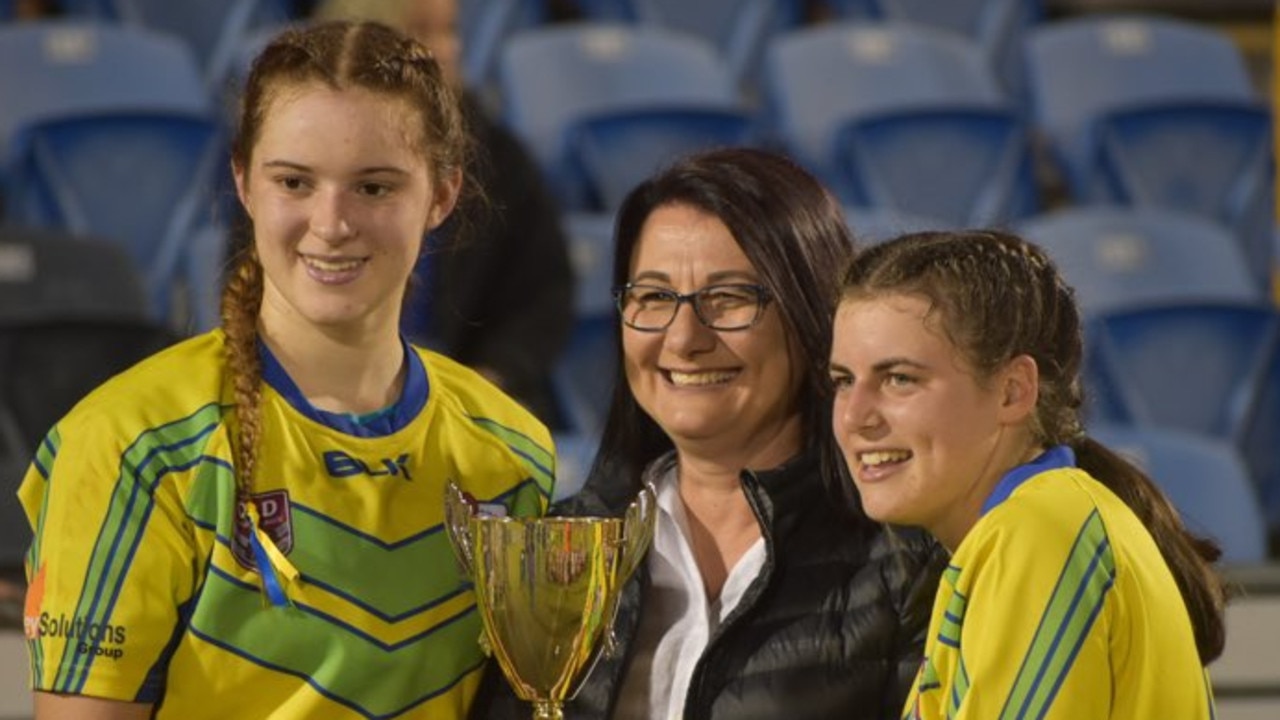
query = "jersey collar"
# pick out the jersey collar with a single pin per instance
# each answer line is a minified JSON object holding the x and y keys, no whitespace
{"x":1058,"y":456}
{"x":412,"y":399}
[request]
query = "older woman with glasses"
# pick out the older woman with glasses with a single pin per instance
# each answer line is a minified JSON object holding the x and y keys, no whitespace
{"x":766,"y":593}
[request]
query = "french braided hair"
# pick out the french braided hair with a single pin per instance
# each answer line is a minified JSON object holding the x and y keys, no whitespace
{"x":337,"y":55}
{"x":996,"y":296}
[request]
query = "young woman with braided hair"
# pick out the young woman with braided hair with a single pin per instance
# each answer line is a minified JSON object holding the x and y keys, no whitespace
{"x":1074,"y":590}
{"x":248,"y":524}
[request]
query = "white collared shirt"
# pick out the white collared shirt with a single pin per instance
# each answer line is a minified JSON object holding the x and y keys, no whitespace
{"x":677,"y":620}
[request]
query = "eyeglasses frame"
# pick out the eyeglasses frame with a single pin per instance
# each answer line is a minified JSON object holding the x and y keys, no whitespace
{"x":763,"y":298}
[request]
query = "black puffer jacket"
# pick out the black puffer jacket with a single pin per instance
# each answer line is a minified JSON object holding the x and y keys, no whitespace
{"x":833,"y":627}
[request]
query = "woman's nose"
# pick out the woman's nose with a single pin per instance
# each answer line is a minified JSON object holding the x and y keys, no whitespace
{"x":686,"y":333}
{"x":329,"y":218}
{"x":856,"y":410}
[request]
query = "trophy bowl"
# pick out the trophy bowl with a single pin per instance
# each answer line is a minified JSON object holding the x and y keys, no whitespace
{"x":547,"y":589}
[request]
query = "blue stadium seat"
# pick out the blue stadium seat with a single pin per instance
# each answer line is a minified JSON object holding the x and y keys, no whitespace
{"x":616,"y":151}
{"x":484,"y":26}
{"x":55,"y":275}
{"x":900,"y":115}
{"x":213,"y":30}
{"x":871,"y":225}
{"x":51,"y":68}
{"x":997,"y":26}
{"x":583,"y":379}
{"x":1208,"y":368}
{"x":554,"y":77}
{"x":73,"y":312}
{"x":966,"y":166}
{"x":143,"y":180}
{"x":1211,"y":159}
{"x":739,"y":29}
{"x":1118,"y":256}
{"x":1153,"y":110}
{"x":1205,"y":479}
{"x":1081,"y":68}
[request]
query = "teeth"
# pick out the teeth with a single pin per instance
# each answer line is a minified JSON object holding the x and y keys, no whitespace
{"x":883,"y":456}
{"x":704,"y":378}
{"x":331,"y":265}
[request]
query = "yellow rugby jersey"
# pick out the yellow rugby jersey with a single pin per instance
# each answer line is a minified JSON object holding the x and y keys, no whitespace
{"x":142,"y":584}
{"x":1058,"y":604}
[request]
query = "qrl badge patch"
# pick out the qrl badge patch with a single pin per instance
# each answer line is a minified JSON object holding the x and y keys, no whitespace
{"x":277,"y":523}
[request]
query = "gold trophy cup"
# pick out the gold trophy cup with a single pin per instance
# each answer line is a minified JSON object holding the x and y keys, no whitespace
{"x":547,"y":589}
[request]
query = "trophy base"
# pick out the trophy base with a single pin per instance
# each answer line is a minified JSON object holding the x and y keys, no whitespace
{"x":548,"y":710}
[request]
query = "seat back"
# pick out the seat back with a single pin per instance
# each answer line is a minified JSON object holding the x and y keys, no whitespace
{"x":551,"y":77}
{"x":54,"y":285}
{"x":969,"y":167}
{"x":52,"y":68}
{"x":82,"y":174}
{"x":47,"y":367}
{"x":616,"y":151}
{"x":1205,"y":479}
{"x":998,"y":26}
{"x":1209,"y":158}
{"x":213,"y":30}
{"x":739,"y":29}
{"x":1196,"y":366}
{"x":871,"y":225}
{"x":818,"y":79}
{"x":1083,"y":68}
{"x":584,"y":376}
{"x":484,"y":26}
{"x":47,"y":275}
{"x":1116,"y":257}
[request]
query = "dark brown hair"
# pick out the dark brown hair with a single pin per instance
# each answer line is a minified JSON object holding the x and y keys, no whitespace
{"x":996,"y":297}
{"x":794,"y":233}
{"x":337,"y":55}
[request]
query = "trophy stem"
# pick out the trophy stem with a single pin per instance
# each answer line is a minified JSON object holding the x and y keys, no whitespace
{"x":547,"y":710}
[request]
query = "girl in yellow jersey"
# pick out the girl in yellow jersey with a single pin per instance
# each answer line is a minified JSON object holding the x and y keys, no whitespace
{"x":249,"y":524}
{"x":1074,"y":592}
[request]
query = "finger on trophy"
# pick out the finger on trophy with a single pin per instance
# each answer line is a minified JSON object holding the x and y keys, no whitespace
{"x":459,"y":508}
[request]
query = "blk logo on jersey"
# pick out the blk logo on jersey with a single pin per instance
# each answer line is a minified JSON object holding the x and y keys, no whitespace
{"x":277,"y":523}
{"x":341,"y":465}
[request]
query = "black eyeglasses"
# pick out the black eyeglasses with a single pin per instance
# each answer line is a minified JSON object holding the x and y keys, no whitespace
{"x":728,"y":307}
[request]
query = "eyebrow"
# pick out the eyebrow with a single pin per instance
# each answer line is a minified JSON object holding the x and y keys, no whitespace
{"x":712,"y":279}
{"x":890,"y":363}
{"x":288,"y":165}
{"x":880,"y":367}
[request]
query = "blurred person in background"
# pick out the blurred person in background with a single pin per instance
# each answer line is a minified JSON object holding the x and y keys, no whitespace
{"x":501,"y":302}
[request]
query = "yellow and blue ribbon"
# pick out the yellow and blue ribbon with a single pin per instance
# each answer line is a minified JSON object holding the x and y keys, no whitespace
{"x":278,"y":574}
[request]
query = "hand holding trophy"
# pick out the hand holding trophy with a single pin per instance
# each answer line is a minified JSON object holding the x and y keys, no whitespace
{"x":547,"y":589}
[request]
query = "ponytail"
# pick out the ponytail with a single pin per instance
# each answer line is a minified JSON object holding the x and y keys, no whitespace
{"x":1190,"y":557}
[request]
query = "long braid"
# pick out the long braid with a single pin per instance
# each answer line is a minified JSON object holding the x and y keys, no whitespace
{"x":240,"y":304}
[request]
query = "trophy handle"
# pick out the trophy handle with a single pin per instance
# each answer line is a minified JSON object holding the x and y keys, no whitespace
{"x":637,"y":530}
{"x":459,"y":508}
{"x":637,"y":534}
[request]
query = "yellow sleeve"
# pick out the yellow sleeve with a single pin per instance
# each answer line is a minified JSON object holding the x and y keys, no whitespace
{"x":112,"y":559}
{"x":1033,"y":609}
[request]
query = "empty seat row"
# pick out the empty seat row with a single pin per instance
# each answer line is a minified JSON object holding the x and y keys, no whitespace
{"x":1139,"y":111}
{"x":106,"y":131}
